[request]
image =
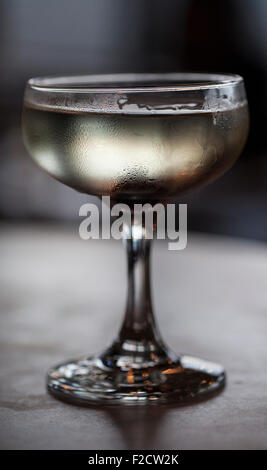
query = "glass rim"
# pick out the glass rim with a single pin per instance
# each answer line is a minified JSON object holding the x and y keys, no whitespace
{"x":81,"y":83}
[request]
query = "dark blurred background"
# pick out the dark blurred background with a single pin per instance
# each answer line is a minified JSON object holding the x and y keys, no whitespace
{"x":98,"y":36}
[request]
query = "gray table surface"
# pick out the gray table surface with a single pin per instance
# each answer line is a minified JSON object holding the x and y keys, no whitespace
{"x":62,"y":297}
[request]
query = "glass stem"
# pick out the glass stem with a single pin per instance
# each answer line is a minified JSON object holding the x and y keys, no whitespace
{"x":138,"y":343}
{"x":139,"y":323}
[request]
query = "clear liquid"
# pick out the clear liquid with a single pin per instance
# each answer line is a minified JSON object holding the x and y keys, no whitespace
{"x":151,"y":158}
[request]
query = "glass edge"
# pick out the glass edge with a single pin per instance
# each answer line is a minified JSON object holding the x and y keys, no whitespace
{"x":33,"y":84}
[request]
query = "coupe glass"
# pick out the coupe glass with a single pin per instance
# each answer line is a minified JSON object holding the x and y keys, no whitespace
{"x":137,"y":138}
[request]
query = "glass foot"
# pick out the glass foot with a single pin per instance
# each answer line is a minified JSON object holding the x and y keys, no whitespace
{"x":95,"y":380}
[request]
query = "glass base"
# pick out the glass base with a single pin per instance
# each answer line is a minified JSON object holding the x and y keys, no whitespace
{"x":102,"y":380}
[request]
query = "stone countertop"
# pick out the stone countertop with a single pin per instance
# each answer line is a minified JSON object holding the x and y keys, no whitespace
{"x":62,"y":297}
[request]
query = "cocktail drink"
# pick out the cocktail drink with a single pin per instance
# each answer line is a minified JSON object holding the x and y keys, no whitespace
{"x":137,"y":138}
